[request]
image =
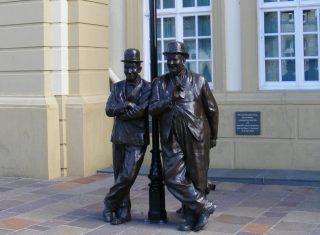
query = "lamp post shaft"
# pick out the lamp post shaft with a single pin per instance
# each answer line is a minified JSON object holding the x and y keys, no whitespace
{"x":157,"y":212}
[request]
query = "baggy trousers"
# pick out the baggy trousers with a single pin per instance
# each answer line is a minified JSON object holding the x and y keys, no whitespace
{"x":175,"y":172}
{"x":127,"y":160}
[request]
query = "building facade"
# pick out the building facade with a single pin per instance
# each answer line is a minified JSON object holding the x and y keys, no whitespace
{"x":261,"y":58}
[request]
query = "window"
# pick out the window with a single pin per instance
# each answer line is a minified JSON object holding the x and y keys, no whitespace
{"x":289,"y":44}
{"x":189,"y":21}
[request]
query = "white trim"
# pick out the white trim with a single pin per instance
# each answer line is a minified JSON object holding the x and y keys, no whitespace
{"x":233,"y":45}
{"x":114,"y":77}
{"x":60,"y":54}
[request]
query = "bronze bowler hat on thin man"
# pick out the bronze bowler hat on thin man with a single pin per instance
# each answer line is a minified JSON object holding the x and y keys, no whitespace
{"x":176,"y":48}
{"x":132,"y":55}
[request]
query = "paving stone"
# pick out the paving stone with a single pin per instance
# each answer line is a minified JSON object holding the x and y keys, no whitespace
{"x":275,"y":232}
{"x":303,"y":217}
{"x":5,"y":214}
{"x":6,"y":204}
{"x":316,"y":231}
{"x":274,"y":214}
{"x":247,"y":233}
{"x":267,"y":220}
{"x":2,"y":189}
{"x":233,"y":219}
{"x":40,"y":215}
{"x":246,"y":211}
{"x":3,"y":231}
{"x":256,"y":228}
{"x":64,"y":229}
{"x":26,"y":207}
{"x":289,"y":203}
{"x":87,"y":222}
{"x":309,"y":206}
{"x":16,"y":223}
{"x":216,"y":226}
{"x":108,"y":229}
{"x":28,"y":197}
{"x":295,"y":226}
{"x":21,"y":183}
{"x":39,"y":228}
{"x":26,"y":232}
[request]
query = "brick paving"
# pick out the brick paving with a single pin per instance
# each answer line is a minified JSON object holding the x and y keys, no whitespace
{"x":73,"y":206}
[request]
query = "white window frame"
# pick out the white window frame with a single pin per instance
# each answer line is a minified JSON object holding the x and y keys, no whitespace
{"x":298,"y":6}
{"x":178,"y":13}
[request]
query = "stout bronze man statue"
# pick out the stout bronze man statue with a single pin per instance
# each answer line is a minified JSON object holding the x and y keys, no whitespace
{"x":128,"y":104}
{"x":188,"y":116}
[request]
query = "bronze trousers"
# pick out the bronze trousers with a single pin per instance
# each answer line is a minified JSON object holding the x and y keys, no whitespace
{"x":127,"y":160}
{"x":177,"y":179}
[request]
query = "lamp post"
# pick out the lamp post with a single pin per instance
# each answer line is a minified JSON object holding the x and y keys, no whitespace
{"x":157,"y":212}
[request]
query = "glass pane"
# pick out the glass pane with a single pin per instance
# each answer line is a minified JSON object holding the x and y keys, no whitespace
{"x":189,"y":26}
{"x":310,"y":21}
{"x":286,"y":0}
{"x":310,"y":45}
{"x":204,"y":26}
{"x":270,"y":22}
{"x":311,"y":70}
{"x":203,"y":3}
{"x":270,"y":0}
{"x":169,"y":29}
{"x":272,"y":70}
{"x":287,"y":21}
{"x":190,"y":45}
{"x":288,"y":68}
{"x":271,"y":46}
{"x":158,"y":4}
{"x":159,"y":69}
{"x":188,"y":3}
{"x":287,"y":46}
{"x":205,"y":70}
{"x":159,"y":50}
{"x":204,"y":48}
{"x":191,"y":66}
{"x":168,"y":4}
{"x":158,"y":28}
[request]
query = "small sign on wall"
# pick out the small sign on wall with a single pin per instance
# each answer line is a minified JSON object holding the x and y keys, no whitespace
{"x":248,"y":123}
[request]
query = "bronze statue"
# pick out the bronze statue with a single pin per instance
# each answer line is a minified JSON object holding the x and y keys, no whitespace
{"x":188,"y":116}
{"x":128,"y":104}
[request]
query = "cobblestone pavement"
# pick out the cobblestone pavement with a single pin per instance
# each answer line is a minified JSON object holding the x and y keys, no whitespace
{"x":73,"y":206}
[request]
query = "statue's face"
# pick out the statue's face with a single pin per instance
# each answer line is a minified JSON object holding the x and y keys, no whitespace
{"x":131,"y":70}
{"x":175,"y":63}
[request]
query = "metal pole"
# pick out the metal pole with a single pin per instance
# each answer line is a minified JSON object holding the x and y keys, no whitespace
{"x":157,"y":212}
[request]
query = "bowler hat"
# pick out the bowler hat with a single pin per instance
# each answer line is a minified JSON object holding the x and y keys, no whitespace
{"x":131,"y":55}
{"x":176,"y":47}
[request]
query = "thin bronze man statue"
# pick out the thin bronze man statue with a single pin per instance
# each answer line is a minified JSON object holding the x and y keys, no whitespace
{"x":128,"y":104}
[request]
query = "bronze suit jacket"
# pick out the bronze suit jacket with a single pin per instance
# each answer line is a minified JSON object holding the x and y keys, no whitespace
{"x":130,"y":126}
{"x":198,"y":108}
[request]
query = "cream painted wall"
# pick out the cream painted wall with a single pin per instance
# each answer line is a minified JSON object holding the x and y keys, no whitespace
{"x":29,"y":115}
{"x":117,"y":35}
{"x":289,"y":131}
{"x":249,"y":45}
{"x":88,"y":129}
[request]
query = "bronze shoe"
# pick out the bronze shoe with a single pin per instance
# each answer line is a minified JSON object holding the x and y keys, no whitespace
{"x":204,"y":217}
{"x":107,"y":215}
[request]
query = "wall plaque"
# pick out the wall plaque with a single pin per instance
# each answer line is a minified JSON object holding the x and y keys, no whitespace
{"x":248,"y":123}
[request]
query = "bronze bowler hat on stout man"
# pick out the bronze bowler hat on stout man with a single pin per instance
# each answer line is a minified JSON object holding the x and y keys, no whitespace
{"x":132,"y":55}
{"x":176,"y":47}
